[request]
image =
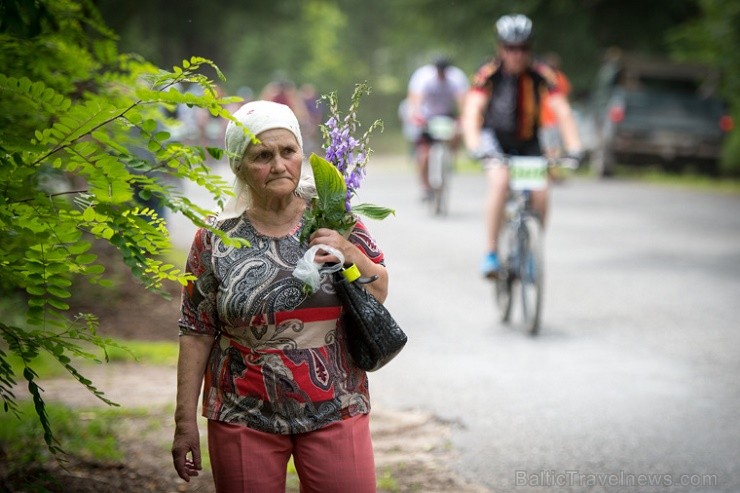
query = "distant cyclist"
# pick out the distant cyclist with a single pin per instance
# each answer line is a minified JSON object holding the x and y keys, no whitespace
{"x":501,"y":117}
{"x":550,"y":139}
{"x":436,"y":89}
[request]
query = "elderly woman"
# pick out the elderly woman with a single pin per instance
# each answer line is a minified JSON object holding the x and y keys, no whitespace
{"x":278,"y":377}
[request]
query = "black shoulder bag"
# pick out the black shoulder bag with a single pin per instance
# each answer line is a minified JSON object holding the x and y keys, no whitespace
{"x":373,"y":336}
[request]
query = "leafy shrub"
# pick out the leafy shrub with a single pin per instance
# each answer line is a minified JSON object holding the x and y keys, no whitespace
{"x":85,"y":141}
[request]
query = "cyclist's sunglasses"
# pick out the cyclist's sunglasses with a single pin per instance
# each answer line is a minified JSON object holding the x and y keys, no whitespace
{"x":522,"y":48}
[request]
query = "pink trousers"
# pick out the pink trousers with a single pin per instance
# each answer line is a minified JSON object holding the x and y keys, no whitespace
{"x":335,"y":459}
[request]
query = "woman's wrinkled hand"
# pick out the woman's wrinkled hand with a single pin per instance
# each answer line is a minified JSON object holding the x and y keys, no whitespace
{"x":352,"y":255}
{"x":186,"y":441}
{"x":329,"y":237}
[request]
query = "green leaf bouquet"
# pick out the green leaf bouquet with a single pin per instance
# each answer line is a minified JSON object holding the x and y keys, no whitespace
{"x":338,"y":176}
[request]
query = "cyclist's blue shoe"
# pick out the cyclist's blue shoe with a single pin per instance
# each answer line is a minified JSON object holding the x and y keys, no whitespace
{"x":491,"y":267}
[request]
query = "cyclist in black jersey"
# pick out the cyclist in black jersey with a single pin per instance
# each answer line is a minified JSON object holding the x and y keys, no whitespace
{"x":501,"y":117}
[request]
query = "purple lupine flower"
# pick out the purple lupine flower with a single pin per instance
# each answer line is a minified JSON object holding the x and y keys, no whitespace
{"x":354,"y":178}
{"x":347,"y":153}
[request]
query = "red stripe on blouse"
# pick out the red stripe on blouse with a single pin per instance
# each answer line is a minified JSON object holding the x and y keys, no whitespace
{"x":307,"y":315}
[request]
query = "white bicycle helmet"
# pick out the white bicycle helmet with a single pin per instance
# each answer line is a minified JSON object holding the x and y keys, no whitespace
{"x":514,"y":29}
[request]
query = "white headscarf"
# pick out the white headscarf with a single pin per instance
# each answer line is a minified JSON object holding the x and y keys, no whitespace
{"x":257,"y":117}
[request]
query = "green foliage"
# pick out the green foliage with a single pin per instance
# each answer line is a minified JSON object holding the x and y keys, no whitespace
{"x":386,"y":481}
{"x":146,"y":352}
{"x":27,"y":345}
{"x":731,"y":152}
{"x":322,"y":64}
{"x":315,"y":33}
{"x":91,"y":438}
{"x":713,"y":38}
{"x":327,"y":208}
{"x":85,"y":140}
{"x":372,"y":211}
{"x":116,"y":351}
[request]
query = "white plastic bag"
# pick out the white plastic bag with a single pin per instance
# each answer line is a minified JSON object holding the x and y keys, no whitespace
{"x":310,"y":272}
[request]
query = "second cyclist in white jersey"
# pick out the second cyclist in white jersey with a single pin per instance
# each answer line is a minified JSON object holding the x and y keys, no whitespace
{"x":436,"y":89}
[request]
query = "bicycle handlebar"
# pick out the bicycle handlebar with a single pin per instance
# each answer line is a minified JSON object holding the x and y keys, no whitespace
{"x":570,"y":161}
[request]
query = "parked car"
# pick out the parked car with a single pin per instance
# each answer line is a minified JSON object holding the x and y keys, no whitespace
{"x":649,"y":111}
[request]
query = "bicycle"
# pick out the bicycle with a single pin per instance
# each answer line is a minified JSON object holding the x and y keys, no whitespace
{"x":442,"y":130}
{"x":521,"y":242}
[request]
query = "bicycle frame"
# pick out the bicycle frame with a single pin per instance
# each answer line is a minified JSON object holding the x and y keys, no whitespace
{"x":520,"y":205}
{"x":442,"y":130}
{"x":521,"y":248}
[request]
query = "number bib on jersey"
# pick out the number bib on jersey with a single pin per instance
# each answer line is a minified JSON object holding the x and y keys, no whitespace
{"x":527,"y":173}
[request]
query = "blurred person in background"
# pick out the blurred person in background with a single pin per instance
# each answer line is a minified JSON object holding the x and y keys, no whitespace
{"x":284,"y":91}
{"x":552,"y":143}
{"x":436,"y":89}
{"x":314,"y":118}
{"x":408,"y":129}
{"x":501,"y":117}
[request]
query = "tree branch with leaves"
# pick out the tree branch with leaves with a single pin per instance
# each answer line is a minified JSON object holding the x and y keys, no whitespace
{"x":80,"y":153}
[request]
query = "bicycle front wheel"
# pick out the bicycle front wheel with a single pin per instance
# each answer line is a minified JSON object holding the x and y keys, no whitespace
{"x":503,"y":285}
{"x":531,"y":273}
{"x":502,"y":291}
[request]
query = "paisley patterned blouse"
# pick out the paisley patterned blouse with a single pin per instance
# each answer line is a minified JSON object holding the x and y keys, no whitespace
{"x":279,"y":363}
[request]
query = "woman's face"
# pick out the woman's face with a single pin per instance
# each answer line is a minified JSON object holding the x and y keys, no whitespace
{"x":272,"y":168}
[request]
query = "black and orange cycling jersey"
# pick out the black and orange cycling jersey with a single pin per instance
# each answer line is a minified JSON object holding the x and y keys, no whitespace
{"x":513,"y":111}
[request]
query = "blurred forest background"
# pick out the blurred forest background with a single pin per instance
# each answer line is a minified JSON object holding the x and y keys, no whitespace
{"x":334,"y":44}
{"x":60,"y":64}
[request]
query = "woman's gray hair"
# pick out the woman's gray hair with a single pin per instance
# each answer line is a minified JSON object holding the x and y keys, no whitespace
{"x":306,"y":188}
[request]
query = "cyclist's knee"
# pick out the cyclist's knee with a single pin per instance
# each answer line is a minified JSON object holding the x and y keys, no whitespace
{"x":540,"y":201}
{"x":498,"y":178}
{"x":541,"y":196}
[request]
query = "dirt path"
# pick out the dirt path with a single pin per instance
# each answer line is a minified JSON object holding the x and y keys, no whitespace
{"x":412,"y":448}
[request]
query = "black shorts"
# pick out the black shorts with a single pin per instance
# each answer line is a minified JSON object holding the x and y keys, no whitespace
{"x":500,"y":145}
{"x":512,"y":146}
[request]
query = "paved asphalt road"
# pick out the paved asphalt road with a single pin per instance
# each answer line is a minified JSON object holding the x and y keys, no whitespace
{"x":634,"y":378}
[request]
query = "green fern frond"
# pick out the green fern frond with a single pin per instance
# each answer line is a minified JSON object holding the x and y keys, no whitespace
{"x":40,"y":407}
{"x":7,"y":383}
{"x":89,"y":385}
{"x":34,"y":93}
{"x":79,"y":121}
